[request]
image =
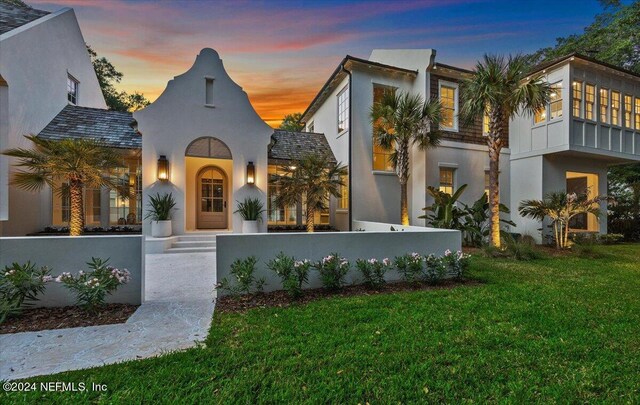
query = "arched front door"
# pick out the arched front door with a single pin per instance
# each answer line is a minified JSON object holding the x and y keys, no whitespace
{"x":212,"y":199}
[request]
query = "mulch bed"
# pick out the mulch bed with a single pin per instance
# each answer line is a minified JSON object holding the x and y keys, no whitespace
{"x":37,"y":319}
{"x":281,"y":299}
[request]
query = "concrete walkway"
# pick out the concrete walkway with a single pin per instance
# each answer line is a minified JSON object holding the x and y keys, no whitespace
{"x":176,"y":314}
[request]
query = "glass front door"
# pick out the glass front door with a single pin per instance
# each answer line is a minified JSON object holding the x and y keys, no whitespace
{"x":212,"y":199}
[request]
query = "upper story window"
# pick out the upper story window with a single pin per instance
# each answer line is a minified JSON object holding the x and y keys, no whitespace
{"x":590,"y":101}
{"x":310,"y":127}
{"x":628,"y":100}
{"x":449,"y":101}
{"x":72,"y":89}
{"x":540,"y":115}
{"x":604,"y":105}
{"x":615,"y":108}
{"x":637,"y":113}
{"x":208,"y":91}
{"x":343,"y":110}
{"x":577,"y":99}
{"x":381,"y":156}
{"x":446,"y":180}
{"x":555,"y":100}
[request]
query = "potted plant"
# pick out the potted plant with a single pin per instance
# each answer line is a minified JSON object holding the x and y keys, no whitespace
{"x":160,"y":207}
{"x":250,"y":210}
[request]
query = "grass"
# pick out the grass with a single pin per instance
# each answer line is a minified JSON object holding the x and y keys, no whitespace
{"x":562,"y":329}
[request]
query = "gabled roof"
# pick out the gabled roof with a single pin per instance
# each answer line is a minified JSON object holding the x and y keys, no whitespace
{"x":14,"y":15}
{"x":288,"y":146}
{"x":114,"y":128}
{"x":588,"y":59}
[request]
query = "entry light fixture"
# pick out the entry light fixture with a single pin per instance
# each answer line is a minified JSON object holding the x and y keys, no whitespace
{"x":163,"y":168}
{"x":251,"y":173}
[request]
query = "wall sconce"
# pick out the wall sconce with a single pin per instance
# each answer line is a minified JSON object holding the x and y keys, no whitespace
{"x":163,"y":168}
{"x":251,"y":173}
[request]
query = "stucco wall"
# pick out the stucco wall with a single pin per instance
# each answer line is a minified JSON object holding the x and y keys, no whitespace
{"x":35,"y":60}
{"x":70,"y":254}
{"x":315,"y":246}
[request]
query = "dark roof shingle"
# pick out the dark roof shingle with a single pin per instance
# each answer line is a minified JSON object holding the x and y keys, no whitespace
{"x":13,"y":15}
{"x":287,"y":146}
{"x":113,"y":128}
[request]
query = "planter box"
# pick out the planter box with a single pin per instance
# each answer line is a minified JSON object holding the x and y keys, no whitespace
{"x":250,"y":227}
{"x":161,"y":229}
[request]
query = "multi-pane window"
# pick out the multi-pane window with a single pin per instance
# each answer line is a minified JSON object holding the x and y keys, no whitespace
{"x":540,"y":115}
{"x":381,"y":156}
{"x":343,"y":110}
{"x":637,"y":112}
{"x":555,"y":100}
{"x":278,"y":214}
{"x":446,"y":180}
{"x":577,"y":99}
{"x":604,"y":105}
{"x":590,"y":101}
{"x":343,"y":202}
{"x":628,"y":111}
{"x":72,"y":90}
{"x":449,"y":105}
{"x":615,"y":108}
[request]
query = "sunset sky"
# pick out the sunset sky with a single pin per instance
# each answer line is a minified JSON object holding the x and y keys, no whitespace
{"x":281,"y":52}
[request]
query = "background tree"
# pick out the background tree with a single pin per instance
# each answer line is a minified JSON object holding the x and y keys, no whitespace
{"x":79,"y":162}
{"x":401,"y":120}
{"x":311,"y":181}
{"x":108,"y":76}
{"x":500,"y":88}
{"x":291,"y":122}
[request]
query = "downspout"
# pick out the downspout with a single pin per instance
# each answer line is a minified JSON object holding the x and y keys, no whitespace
{"x":350,"y":155}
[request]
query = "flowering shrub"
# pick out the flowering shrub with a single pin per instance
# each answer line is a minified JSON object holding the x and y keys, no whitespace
{"x":435,"y":269}
{"x":333,"y":270}
{"x":410,"y":266}
{"x":373,"y":271}
{"x":92,"y":287}
{"x":20,"y":286}
{"x":293,"y":273}
{"x":245,"y":281}
{"x":456,"y":263}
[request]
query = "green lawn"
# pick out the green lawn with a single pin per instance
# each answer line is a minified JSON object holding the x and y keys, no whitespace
{"x":560,"y":330}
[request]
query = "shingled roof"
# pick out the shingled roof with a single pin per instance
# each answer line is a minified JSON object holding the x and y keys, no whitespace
{"x":14,"y":15}
{"x":287,"y":146}
{"x":113,"y":128}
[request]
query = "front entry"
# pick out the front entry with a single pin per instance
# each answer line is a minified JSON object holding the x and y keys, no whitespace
{"x":212,"y":199}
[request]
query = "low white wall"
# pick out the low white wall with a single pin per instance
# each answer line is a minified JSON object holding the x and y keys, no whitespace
{"x":315,"y":246}
{"x":368,"y":226}
{"x":66,"y":253}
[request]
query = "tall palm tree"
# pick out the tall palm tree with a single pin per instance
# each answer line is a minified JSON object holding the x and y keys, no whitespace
{"x":501,"y":89}
{"x":311,"y":181}
{"x":560,"y":207}
{"x":81,"y":162}
{"x":401,"y":120}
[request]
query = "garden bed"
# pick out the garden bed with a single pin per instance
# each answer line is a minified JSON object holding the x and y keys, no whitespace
{"x":280,"y":298}
{"x":37,"y":319}
{"x":299,"y":228}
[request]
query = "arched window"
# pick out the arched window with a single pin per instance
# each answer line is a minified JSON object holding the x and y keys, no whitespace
{"x":208,"y":147}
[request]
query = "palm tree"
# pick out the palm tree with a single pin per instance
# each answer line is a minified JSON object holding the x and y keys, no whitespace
{"x":560,"y":207}
{"x":81,"y":162}
{"x":501,"y":89}
{"x":311,"y":181}
{"x":400,"y":121}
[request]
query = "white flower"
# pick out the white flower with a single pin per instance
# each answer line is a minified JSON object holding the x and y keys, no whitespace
{"x":386,"y":261}
{"x":447,"y":252}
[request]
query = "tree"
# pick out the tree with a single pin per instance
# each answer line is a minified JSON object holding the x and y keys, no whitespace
{"x":108,"y":75}
{"x":401,"y":121}
{"x":560,"y":207}
{"x":501,"y":89}
{"x":291,"y":122}
{"x":311,"y":181}
{"x":624,"y":189}
{"x":80,"y":162}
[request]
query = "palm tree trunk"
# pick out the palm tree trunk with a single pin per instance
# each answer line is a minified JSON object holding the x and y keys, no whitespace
{"x":76,"y":223}
{"x":310,"y":219}
{"x":494,"y":195}
{"x":404,"y":210}
{"x":402,"y":170}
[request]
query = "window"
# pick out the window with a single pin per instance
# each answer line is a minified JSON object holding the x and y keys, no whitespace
{"x":449,"y":102}
{"x":278,"y":214}
{"x":577,"y":99}
{"x":343,"y":110}
{"x":485,"y":122}
{"x":615,"y":108}
{"x":637,"y":113}
{"x":343,"y":202}
{"x":126,"y":209}
{"x":446,"y":180}
{"x":555,"y":100}
{"x":540,"y":115}
{"x":604,"y":105}
{"x":310,"y":127}
{"x":487,"y":182}
{"x":583,"y":184}
{"x":628,"y":100}
{"x":72,"y":90}
{"x":62,"y":206}
{"x":381,"y":156}
{"x":208,"y":96}
{"x":590,"y":98}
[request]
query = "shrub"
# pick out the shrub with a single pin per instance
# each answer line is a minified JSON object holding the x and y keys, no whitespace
{"x":611,"y":238}
{"x":92,"y":287}
{"x":373,"y":271}
{"x":456,"y":264}
{"x":293,"y":273}
{"x":19,"y":287}
{"x":333,"y":270}
{"x":435,"y":269}
{"x":410,"y":266}
{"x":242,"y":270}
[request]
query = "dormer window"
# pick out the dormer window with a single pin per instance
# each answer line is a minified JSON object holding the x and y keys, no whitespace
{"x":449,"y":101}
{"x":72,"y":90}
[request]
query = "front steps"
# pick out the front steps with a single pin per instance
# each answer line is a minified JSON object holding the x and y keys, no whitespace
{"x":193,"y":243}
